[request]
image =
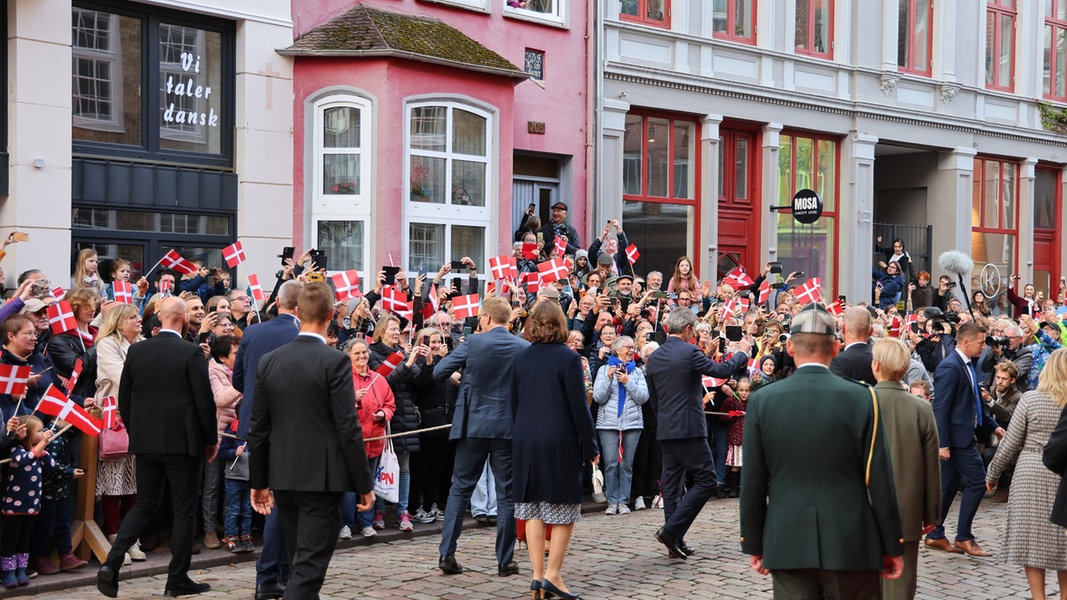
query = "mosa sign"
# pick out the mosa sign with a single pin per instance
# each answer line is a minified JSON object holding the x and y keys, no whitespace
{"x":807,"y":206}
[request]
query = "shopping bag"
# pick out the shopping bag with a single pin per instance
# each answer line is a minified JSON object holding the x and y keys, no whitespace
{"x":387,"y":479}
{"x":598,"y":486}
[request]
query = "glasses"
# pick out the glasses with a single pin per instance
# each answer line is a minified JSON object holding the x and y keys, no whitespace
{"x":239,"y":298}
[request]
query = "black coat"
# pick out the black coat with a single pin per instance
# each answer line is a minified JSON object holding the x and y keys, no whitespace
{"x":1055,"y":458}
{"x":854,"y":363}
{"x":402,"y":381}
{"x":553,"y":436}
{"x":65,"y":349}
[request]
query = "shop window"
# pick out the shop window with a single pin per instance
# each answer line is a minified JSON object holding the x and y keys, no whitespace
{"x":994,"y":226}
{"x":734,"y":20}
{"x":915,"y":35}
{"x":815,"y":28}
{"x":808,"y":161}
{"x":1055,"y":53}
{"x":647,"y":12}
{"x":1000,"y":45}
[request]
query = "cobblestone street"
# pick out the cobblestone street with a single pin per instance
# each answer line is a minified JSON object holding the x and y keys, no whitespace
{"x":630,"y":565}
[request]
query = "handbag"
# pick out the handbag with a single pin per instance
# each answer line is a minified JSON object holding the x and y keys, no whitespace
{"x":387,"y":479}
{"x":114,"y":441}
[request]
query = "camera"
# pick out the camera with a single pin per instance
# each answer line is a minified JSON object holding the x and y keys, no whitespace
{"x":950,"y":284}
{"x":782,"y":338}
{"x":997,"y":340}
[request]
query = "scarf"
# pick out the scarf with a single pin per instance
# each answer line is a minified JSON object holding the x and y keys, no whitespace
{"x":629,"y":366}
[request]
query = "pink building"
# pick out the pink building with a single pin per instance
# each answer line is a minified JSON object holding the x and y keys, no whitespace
{"x":424,"y":130}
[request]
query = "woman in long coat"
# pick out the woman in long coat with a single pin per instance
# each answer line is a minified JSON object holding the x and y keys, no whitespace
{"x":552,"y":440}
{"x":1031,"y":539}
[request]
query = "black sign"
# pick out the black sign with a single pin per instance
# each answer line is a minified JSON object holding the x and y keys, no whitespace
{"x":807,"y":206}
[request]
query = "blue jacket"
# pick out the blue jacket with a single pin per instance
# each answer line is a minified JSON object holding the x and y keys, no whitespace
{"x":606,"y":393}
{"x":257,"y":341}
{"x":892,"y":286}
{"x":955,"y":406}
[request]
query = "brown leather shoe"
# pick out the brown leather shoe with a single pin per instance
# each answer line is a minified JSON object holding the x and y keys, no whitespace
{"x":940,"y":544}
{"x":971,"y":547}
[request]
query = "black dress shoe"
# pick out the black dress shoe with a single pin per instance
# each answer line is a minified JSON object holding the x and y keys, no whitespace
{"x":507,"y":569}
{"x":686,"y":548}
{"x":107,"y":581}
{"x":673,"y":547}
{"x":185,"y":588}
{"x":448,"y":565}
{"x":270,"y":591}
{"x":720,"y":492}
{"x":550,"y":591}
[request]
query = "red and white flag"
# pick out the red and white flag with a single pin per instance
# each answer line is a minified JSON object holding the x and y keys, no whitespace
{"x":836,"y":308}
{"x":110,"y":412}
{"x":256,"y":289}
{"x":738,"y":278}
{"x":61,"y":317}
{"x":764,"y":291}
{"x":529,"y":251}
{"x":123,"y":292}
{"x":465,"y":306}
{"x":532,"y":281}
{"x":551,"y":270}
{"x":14,"y":379}
{"x":632,"y":254}
{"x":736,"y":304}
{"x":394,"y":300}
{"x":234,"y":254}
{"x":55,"y":404}
{"x":810,"y":291}
{"x":753,"y":365}
{"x":75,"y":373}
{"x":560,"y":247}
{"x":390,"y":364}
{"x":895,"y":325}
{"x":166,"y":286}
{"x":435,"y":298}
{"x":908,"y":320}
{"x":502,"y":267}
{"x":346,"y":285}
{"x":173,"y":260}
{"x":57,"y":292}
{"x":711,"y":382}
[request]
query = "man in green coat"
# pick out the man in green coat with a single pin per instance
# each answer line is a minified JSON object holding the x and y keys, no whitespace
{"x":818,"y":501}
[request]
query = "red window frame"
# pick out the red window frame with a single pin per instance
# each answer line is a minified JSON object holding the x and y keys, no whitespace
{"x":998,"y":9}
{"x":809,"y":49}
{"x":643,"y":18}
{"x":731,"y":23}
{"x":913,"y":41}
{"x":827,"y":213}
{"x":1052,"y":25}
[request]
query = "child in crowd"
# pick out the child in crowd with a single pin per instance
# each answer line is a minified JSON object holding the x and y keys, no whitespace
{"x":22,"y":500}
{"x":52,"y":527}
{"x":233,"y":453}
{"x":736,"y":404}
{"x":921,"y":389}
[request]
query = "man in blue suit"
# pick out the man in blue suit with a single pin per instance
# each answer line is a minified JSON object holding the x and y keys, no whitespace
{"x":258,"y":340}
{"x":959,"y":410}
{"x":481,"y":429}
{"x":674,"y":384}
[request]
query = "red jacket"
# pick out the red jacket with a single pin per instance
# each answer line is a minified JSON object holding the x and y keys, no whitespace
{"x":378,"y":397}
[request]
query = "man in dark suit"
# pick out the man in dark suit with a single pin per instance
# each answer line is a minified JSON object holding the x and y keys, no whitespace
{"x":272,"y":565}
{"x":481,"y":429}
{"x":308,"y":453}
{"x":674,"y":383}
{"x":818,"y":502}
{"x":166,"y":403}
{"x":959,"y":411}
{"x":854,"y":362}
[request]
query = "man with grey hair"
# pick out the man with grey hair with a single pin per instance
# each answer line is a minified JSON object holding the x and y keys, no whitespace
{"x":674,"y":375}
{"x":1017,"y":351}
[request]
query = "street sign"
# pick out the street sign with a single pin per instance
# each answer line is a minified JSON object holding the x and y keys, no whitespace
{"x":807,"y":206}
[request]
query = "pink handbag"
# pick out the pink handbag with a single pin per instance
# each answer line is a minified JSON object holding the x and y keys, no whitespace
{"x":114,"y":442}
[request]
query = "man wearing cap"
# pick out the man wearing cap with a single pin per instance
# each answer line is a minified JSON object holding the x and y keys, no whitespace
{"x":558,"y":226}
{"x":624,"y":284}
{"x":832,"y":521}
{"x":607,"y":276}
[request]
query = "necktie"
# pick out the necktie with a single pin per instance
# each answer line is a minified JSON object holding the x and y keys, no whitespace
{"x":977,"y":394}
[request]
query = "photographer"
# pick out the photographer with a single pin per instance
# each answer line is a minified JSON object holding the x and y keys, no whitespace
{"x":922,"y":293}
{"x":1009,"y":347}
{"x":1028,"y":304}
{"x":943,"y":293}
{"x":939,"y":340}
{"x":206,"y":283}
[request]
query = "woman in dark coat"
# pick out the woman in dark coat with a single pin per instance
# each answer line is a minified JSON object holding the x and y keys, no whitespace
{"x":552,"y":440}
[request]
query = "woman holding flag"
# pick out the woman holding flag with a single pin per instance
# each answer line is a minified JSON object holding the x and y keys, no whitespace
{"x":29,"y":371}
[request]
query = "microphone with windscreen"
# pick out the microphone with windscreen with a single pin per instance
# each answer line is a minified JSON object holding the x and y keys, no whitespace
{"x":960,"y":264}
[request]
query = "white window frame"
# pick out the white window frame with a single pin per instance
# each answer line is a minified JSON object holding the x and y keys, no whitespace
{"x":343,"y":207}
{"x":449,"y":214}
{"x":557,"y":17}
{"x":113,"y":57}
{"x":477,"y":5}
{"x":182,"y":132}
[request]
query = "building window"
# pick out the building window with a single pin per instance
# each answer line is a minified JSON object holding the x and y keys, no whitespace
{"x":734,"y":20}
{"x":1056,"y":50}
{"x":102,"y":62}
{"x":1000,"y":45}
{"x":815,"y":28}
{"x":553,"y":11}
{"x":660,"y":186}
{"x":808,"y":161}
{"x":915,"y":36}
{"x":648,"y":12}
{"x":450,"y":167}
{"x":534,"y":64}
{"x":993,"y":209}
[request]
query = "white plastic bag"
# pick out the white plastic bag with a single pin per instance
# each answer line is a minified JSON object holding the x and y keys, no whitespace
{"x":387,"y":479}
{"x":598,"y":485}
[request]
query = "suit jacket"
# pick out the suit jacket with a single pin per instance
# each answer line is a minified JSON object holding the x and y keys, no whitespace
{"x":912,"y":435}
{"x":855,"y":363}
{"x":1055,"y":458}
{"x":804,"y":503}
{"x":483,"y":407}
{"x":955,"y":408}
{"x":165,"y":397}
{"x":257,"y":341}
{"x":673,"y":376}
{"x":305,"y":435}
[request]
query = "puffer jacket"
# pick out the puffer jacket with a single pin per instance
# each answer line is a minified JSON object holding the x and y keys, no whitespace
{"x":401,"y":381}
{"x":226,"y":396}
{"x":606,"y":394}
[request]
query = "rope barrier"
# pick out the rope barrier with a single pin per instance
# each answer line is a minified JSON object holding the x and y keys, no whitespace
{"x":374,"y":439}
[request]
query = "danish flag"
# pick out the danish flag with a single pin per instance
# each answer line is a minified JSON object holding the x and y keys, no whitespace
{"x":735,"y":304}
{"x":632,"y":254}
{"x":394,"y":300}
{"x":502,"y":267}
{"x":55,"y":404}
{"x":390,"y":364}
{"x":561,"y":246}
{"x":123,"y":292}
{"x":173,"y":260}
{"x":61,"y":317}
{"x":532,"y":281}
{"x":551,"y":270}
{"x":111,"y":412}
{"x":908,"y":320}
{"x":711,"y":382}
{"x":435,"y":299}
{"x":764,"y":291}
{"x":753,"y":365}
{"x":165,"y":287}
{"x":810,"y":292}
{"x":895,"y":325}
{"x":255,"y":289}
{"x":346,"y":285}
{"x":234,"y":254}
{"x":57,"y":292}
{"x":14,"y":379}
{"x":465,"y":306}
{"x":738,"y":278}
{"x":836,"y":308}
{"x":75,"y":373}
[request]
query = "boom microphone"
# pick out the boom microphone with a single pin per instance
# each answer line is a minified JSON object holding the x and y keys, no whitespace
{"x":956,"y":262}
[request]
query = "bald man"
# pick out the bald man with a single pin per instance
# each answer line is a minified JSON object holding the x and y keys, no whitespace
{"x":166,"y":404}
{"x":854,"y":362}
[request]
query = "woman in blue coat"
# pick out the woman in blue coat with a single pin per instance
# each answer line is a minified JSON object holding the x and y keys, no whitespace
{"x":891,"y":283}
{"x":552,"y":440}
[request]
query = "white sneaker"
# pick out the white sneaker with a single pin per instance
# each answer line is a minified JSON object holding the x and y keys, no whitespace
{"x":369,"y":532}
{"x":613,"y":509}
{"x":624,"y":509}
{"x":136,"y":553}
{"x":424,"y":516}
{"x":346,"y":533}
{"x":639,"y":504}
{"x":126,"y":560}
{"x":658,"y":501}
{"x":439,"y":515}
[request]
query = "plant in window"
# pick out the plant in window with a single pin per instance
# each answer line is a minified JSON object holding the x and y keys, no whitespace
{"x":420,"y":191}
{"x":345,"y":187}
{"x":1052,"y":118}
